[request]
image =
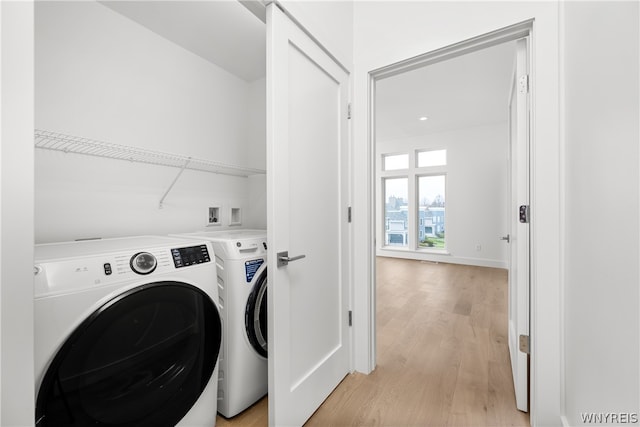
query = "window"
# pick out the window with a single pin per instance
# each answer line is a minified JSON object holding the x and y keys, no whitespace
{"x":392,"y":162}
{"x":396,"y":211}
{"x":431,"y":211}
{"x":432,"y":158}
{"x":413,"y":199}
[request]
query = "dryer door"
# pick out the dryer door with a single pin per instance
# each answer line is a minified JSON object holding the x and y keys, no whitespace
{"x":142,"y":359}
{"x":255,"y":316}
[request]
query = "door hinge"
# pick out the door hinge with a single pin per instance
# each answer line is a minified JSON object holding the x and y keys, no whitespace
{"x":523,"y":84}
{"x":524,"y":214}
{"x":350,"y":318}
{"x":349,"y":214}
{"x":348,"y":111}
{"x":524,"y":346}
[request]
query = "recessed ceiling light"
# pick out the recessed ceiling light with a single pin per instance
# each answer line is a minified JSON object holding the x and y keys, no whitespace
{"x":423,"y":118}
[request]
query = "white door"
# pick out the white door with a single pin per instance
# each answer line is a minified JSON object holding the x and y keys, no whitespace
{"x":519,"y":222}
{"x":307,"y":202}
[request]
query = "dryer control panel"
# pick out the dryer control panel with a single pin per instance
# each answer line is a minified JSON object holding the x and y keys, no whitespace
{"x":183,"y":257}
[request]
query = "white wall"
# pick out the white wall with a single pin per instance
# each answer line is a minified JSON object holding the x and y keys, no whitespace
{"x":256,"y":214}
{"x":602,"y":324}
{"x":256,"y":150}
{"x":388,"y":32}
{"x":101,"y":76}
{"x":476,"y":194}
{"x":16,"y":214}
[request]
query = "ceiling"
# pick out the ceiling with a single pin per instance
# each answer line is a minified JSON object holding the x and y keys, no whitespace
{"x":462,"y":92}
{"x":465,"y":91}
{"x":223,"y":32}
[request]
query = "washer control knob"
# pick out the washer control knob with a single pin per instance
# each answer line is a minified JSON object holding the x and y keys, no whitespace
{"x":143,"y":263}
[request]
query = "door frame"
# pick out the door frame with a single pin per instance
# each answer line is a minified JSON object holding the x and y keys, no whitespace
{"x":513,"y":32}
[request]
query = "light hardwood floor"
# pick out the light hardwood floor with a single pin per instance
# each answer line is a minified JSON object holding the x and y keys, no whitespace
{"x":442,"y":354}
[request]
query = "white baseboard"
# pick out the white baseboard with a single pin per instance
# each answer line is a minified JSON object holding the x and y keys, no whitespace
{"x":444,"y":257}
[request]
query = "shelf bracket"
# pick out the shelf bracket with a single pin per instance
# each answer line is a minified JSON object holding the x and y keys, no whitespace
{"x":184,"y":166}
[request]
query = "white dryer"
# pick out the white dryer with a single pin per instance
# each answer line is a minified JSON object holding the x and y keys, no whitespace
{"x":241,"y":259}
{"x":127,"y":333}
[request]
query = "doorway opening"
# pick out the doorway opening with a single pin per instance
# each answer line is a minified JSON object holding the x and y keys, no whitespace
{"x":457,"y":100}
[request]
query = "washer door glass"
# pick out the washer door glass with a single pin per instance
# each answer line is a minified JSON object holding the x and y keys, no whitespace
{"x":255,"y":316}
{"x":142,"y":359}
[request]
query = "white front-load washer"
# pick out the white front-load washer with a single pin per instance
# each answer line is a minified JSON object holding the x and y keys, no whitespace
{"x":241,"y":259}
{"x":127,"y":333}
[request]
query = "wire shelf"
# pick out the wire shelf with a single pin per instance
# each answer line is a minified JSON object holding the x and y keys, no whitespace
{"x":48,"y":140}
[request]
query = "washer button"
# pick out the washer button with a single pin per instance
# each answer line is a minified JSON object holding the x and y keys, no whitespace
{"x":143,"y":263}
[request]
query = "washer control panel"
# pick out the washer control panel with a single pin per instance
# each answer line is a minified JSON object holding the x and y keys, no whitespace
{"x":183,"y":257}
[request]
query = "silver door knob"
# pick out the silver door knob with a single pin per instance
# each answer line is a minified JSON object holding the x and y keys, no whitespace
{"x":285,"y":259}
{"x":507,"y":238}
